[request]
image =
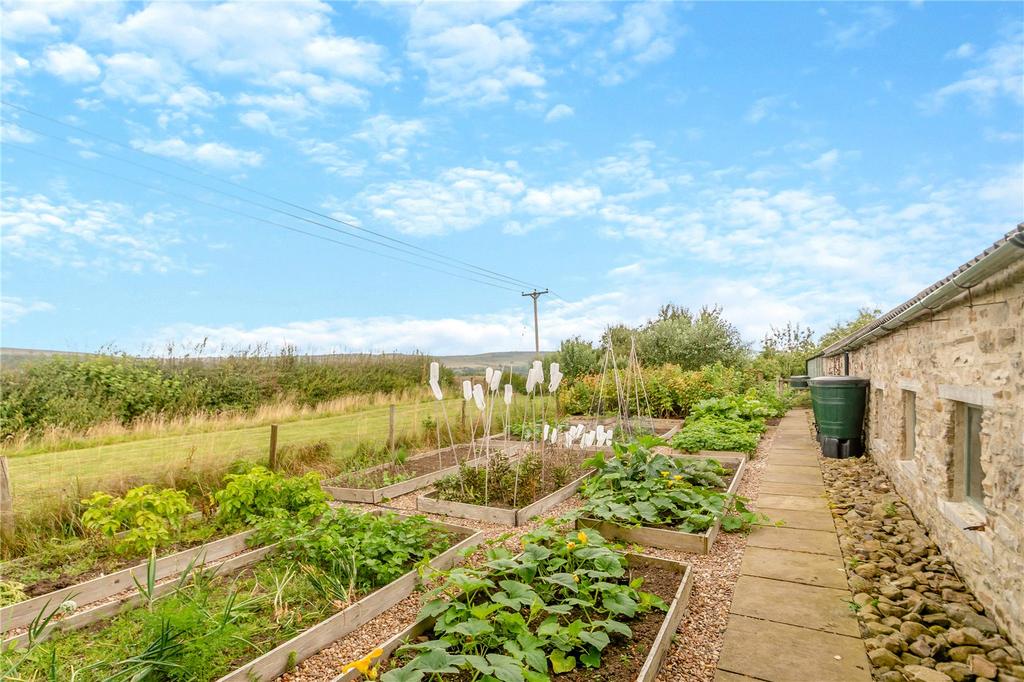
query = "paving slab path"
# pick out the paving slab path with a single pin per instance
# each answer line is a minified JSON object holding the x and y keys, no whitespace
{"x":790,"y":619}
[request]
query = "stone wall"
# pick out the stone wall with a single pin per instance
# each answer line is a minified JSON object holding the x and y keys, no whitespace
{"x":972,"y":351}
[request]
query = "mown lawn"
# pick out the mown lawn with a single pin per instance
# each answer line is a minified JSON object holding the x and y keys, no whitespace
{"x":36,"y":477}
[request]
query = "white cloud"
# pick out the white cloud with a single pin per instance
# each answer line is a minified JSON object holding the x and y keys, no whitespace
{"x":11,"y":132}
{"x":964,"y":51}
{"x":459,"y":199}
{"x":764,"y":107}
{"x":136,"y":77}
{"x":98,"y":235}
{"x":825,"y":163}
{"x":646,"y":35}
{"x":999,"y":73}
{"x":390,"y":136}
{"x":558,"y":112}
{"x":70,"y":63}
{"x":511,"y":329}
{"x":868,"y":23}
{"x":333,"y":157}
{"x":13,"y":308}
{"x":561,"y":201}
{"x":474,"y":63}
{"x":214,"y":154}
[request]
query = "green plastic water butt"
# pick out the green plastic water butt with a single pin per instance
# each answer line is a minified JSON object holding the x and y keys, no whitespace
{"x":838,"y":404}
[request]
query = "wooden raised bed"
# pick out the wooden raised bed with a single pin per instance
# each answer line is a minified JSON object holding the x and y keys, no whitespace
{"x":429,"y":503}
{"x":504,"y":517}
{"x":22,"y":613}
{"x":659,"y":647}
{"x":129,"y":600}
{"x":281,"y":658}
{"x":378,"y":495}
{"x":666,"y":538}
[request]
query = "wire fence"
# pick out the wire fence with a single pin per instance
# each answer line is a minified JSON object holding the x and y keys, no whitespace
{"x":43,"y":479}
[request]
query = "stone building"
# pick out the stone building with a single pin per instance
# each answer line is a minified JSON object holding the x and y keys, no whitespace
{"x":945,"y":416}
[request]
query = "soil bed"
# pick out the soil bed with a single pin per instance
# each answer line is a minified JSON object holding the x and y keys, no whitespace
{"x":418,"y":465}
{"x":623,"y":659}
{"x":512,"y":499}
{"x":217,"y":623}
{"x":560,"y":467}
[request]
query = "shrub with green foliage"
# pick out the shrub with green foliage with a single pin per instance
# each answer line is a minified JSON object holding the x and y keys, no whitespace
{"x":260,"y":493}
{"x":145,"y":515}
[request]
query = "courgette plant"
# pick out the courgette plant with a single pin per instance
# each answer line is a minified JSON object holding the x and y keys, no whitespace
{"x":554,"y":607}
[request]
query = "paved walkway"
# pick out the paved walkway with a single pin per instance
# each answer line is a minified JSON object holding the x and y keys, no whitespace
{"x":790,"y":619}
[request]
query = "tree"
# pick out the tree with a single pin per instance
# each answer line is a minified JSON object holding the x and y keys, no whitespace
{"x":784,"y":350}
{"x":577,"y":357}
{"x":840,"y":330}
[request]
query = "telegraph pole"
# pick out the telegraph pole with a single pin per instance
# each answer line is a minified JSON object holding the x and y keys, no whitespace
{"x":536,"y":330}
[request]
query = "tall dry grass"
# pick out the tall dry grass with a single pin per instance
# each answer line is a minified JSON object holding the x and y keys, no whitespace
{"x":56,"y":439}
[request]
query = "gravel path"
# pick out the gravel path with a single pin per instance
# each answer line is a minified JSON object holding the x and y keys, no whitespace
{"x":698,"y":641}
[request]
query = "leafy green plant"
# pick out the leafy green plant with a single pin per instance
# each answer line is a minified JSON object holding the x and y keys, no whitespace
{"x":555,"y":607}
{"x":11,"y":592}
{"x":146,"y":516}
{"x":260,"y":493}
{"x":639,"y":488}
{"x":718,"y":433}
{"x":365,"y":550}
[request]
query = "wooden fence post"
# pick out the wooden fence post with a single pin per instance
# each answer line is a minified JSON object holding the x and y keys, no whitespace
{"x":6,"y":503}
{"x":273,"y":447}
{"x":780,"y":384}
{"x":463,"y":415}
{"x":391,"y":427}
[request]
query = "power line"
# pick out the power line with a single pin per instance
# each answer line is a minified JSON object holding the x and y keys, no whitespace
{"x":481,"y":271}
{"x":248,"y":216}
{"x":264,"y":206}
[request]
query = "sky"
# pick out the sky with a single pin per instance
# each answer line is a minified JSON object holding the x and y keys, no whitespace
{"x":179,"y":172}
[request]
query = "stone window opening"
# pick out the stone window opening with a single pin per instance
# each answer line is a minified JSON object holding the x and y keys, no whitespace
{"x":909,"y":424}
{"x":968,"y":474}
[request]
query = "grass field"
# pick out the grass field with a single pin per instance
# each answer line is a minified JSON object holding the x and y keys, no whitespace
{"x":36,"y":478}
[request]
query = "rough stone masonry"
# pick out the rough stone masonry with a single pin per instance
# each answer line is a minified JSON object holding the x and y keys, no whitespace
{"x":923,"y":376}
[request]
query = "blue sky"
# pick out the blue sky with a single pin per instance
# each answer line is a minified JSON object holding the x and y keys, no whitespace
{"x":790,"y":162}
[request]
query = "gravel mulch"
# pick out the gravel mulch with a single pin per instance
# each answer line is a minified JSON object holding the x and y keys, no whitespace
{"x":698,"y":641}
{"x":920,"y":622}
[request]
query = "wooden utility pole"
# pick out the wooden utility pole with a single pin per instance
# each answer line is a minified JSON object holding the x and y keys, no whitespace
{"x":536,"y":329}
{"x":391,"y":427}
{"x":273,"y":447}
{"x":6,"y":503}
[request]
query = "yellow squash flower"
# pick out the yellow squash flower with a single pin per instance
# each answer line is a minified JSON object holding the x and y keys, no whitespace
{"x":575,"y":578}
{"x":571,"y":544}
{"x":678,"y":477}
{"x":582,"y":537}
{"x":665,"y":474}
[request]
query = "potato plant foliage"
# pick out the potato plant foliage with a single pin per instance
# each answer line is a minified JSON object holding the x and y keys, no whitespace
{"x":554,"y":607}
{"x":260,"y":492}
{"x":639,"y":488}
{"x":360,"y":550}
{"x":145,"y":515}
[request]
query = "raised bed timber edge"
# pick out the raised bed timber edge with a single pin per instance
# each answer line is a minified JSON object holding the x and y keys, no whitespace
{"x":22,"y":613}
{"x":504,"y":517}
{"x":281,"y":658}
{"x":378,"y":495}
{"x":666,"y":538}
{"x":659,"y":647}
{"x":129,"y":599}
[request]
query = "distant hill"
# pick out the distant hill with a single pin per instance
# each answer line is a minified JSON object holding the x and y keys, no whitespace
{"x":476,"y":364}
{"x":12,"y":358}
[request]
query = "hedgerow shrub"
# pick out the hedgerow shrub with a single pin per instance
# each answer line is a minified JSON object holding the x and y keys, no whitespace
{"x":78,"y":393}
